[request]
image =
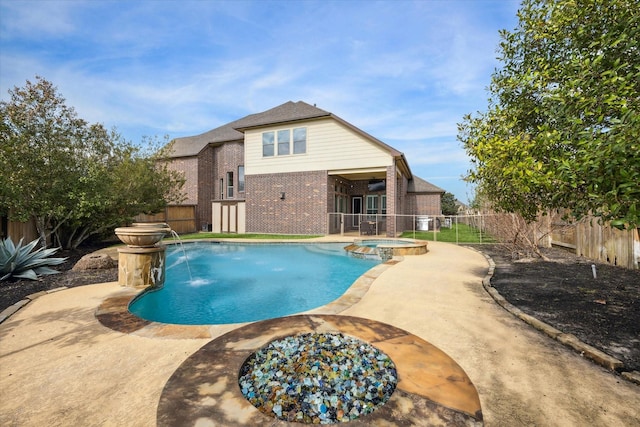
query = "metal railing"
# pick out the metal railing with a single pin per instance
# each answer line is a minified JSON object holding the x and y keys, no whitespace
{"x":457,"y":229}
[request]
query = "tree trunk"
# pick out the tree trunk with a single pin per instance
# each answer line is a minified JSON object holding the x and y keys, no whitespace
{"x":41,"y":227}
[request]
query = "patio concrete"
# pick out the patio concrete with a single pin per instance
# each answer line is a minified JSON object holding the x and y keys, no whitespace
{"x":59,"y":366}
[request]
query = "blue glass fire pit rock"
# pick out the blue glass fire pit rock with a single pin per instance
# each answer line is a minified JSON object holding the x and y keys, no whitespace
{"x":318,"y":378}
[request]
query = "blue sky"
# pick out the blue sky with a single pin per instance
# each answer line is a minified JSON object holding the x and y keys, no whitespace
{"x":404,"y":71}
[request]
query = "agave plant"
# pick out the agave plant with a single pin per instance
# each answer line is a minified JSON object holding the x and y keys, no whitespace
{"x":20,"y":262}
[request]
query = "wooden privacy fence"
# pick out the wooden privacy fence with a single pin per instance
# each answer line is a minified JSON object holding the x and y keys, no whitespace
{"x":181,"y":219}
{"x":601,"y":242}
{"x":17,"y":230}
{"x":588,"y":238}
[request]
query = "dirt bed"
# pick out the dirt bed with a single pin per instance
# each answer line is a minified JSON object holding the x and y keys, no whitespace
{"x":12,"y":291}
{"x":603,"y":312}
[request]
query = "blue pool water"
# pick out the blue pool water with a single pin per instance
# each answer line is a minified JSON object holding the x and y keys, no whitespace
{"x":233,"y":283}
{"x":373,"y":243}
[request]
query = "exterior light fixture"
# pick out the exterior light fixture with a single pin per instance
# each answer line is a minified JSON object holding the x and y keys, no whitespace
{"x":282,"y":196}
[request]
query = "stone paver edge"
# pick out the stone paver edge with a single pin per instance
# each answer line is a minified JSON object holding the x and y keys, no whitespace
{"x":569,"y":340}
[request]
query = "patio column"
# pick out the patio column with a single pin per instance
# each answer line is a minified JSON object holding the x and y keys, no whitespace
{"x":392,"y":192}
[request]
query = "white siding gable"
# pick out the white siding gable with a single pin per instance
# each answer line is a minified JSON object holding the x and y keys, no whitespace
{"x":330,"y":146}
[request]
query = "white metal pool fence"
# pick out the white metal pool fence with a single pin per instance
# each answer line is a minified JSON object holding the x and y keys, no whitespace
{"x":587,"y":237}
{"x":456,"y":229}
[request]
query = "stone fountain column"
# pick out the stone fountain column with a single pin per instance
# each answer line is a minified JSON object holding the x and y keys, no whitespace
{"x":142,"y":262}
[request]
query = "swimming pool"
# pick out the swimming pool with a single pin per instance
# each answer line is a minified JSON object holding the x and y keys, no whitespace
{"x":234,"y":283}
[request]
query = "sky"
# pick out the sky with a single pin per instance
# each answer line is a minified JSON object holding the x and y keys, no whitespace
{"x":403,"y":71}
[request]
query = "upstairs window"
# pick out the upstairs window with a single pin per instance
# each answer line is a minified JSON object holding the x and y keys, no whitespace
{"x":283,"y":142}
{"x":299,"y":140}
{"x":268,"y":144}
{"x":283,"y":139}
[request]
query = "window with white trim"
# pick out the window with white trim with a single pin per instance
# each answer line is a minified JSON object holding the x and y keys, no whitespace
{"x":299,"y":140}
{"x":268,"y":144}
{"x":340,"y":203}
{"x":283,"y":139}
{"x":241,"y":179}
{"x":372,"y":205}
{"x":283,"y":142}
{"x":229,"y":185}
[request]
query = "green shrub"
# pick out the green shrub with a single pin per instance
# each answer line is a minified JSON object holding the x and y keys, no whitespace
{"x":19,"y":262}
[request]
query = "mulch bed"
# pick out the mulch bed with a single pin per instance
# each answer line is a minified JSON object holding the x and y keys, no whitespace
{"x":12,"y":291}
{"x":603,"y":312}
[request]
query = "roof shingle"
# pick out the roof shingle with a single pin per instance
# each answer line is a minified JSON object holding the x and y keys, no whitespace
{"x":419,"y":185}
{"x":287,"y":112}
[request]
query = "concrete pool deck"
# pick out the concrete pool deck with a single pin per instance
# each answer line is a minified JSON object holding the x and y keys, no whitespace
{"x":59,"y":366}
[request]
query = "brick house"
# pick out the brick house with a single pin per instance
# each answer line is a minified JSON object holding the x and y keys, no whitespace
{"x":291,"y":168}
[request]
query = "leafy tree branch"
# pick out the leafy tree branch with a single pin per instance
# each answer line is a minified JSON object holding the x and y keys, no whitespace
{"x":562,"y":127}
{"x":73,"y":178}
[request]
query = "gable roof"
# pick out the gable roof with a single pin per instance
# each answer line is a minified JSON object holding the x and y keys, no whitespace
{"x":192,"y":145}
{"x":287,"y":112}
{"x":419,"y":185}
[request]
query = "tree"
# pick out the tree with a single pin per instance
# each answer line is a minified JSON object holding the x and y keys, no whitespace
{"x":448,"y":203}
{"x":72,"y":178}
{"x":562,"y":128}
{"x":40,"y":136}
{"x":130,"y":181}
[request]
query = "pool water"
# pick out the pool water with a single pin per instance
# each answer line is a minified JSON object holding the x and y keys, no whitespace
{"x":234,"y":283}
{"x":373,"y":243}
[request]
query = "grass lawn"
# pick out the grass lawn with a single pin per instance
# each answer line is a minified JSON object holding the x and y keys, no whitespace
{"x":458,"y":233}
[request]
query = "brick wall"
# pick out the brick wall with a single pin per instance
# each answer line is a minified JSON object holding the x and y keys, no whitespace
{"x":403,"y":223}
{"x":203,"y":174}
{"x":205,"y":187}
{"x":189,"y":167}
{"x":393,"y":194}
{"x":403,"y":185}
{"x":227,"y":159}
{"x":302,"y":211}
{"x":424,"y":204}
{"x":359,"y":188}
{"x":308,"y":195}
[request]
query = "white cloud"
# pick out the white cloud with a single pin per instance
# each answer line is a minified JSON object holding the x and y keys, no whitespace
{"x":35,"y":19}
{"x":405,"y":72}
{"x":429,"y":152}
